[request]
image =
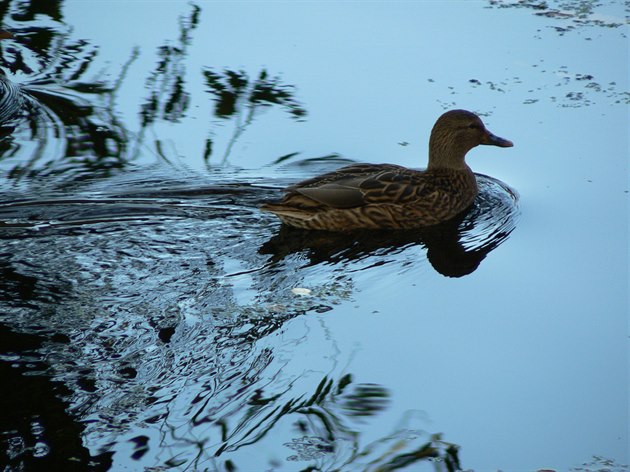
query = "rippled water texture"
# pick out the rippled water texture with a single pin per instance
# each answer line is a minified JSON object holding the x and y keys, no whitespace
{"x":153,"y":318}
{"x":172,"y":301}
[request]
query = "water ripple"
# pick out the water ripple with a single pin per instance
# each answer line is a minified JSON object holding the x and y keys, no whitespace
{"x":180,"y":315}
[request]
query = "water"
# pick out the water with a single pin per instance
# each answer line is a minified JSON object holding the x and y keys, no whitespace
{"x":151,"y":316}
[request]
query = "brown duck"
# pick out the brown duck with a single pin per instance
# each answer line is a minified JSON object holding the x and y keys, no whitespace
{"x":387,"y":196}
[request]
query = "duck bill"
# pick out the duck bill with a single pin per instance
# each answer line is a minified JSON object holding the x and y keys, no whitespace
{"x":492,"y":140}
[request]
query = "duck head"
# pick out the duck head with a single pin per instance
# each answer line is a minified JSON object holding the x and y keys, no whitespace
{"x":454,"y":134}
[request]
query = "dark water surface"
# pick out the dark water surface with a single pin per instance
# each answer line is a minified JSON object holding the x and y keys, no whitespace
{"x":152,"y":318}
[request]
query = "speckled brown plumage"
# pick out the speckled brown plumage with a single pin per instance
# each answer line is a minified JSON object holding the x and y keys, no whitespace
{"x":387,"y":196}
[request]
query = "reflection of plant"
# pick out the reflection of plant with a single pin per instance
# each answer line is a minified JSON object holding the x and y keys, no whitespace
{"x":39,"y":41}
{"x":238,"y":96}
{"x":435,"y":450}
{"x":69,"y":132}
{"x":233,"y":86}
{"x":366,"y":400}
{"x":74,"y":115}
{"x":169,"y":99}
{"x":74,"y":126}
{"x":325,"y":432}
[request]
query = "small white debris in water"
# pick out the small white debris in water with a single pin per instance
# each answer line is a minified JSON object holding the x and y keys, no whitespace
{"x":277,"y":308}
{"x":301,"y":291}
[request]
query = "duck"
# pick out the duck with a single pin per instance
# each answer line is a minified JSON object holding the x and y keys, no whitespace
{"x":389,"y":196}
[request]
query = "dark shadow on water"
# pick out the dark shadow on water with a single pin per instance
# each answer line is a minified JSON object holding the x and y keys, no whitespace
{"x":38,"y":433}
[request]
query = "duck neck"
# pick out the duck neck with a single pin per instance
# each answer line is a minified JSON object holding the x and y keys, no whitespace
{"x":447,"y":154}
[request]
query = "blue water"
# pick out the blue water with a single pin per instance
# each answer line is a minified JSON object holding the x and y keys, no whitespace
{"x":151,"y":316}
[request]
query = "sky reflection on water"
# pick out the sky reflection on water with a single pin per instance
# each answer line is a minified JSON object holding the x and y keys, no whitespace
{"x":171,"y":324}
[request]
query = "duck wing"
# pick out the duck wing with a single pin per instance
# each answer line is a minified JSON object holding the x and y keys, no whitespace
{"x":351,"y":171}
{"x":363,"y":184}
